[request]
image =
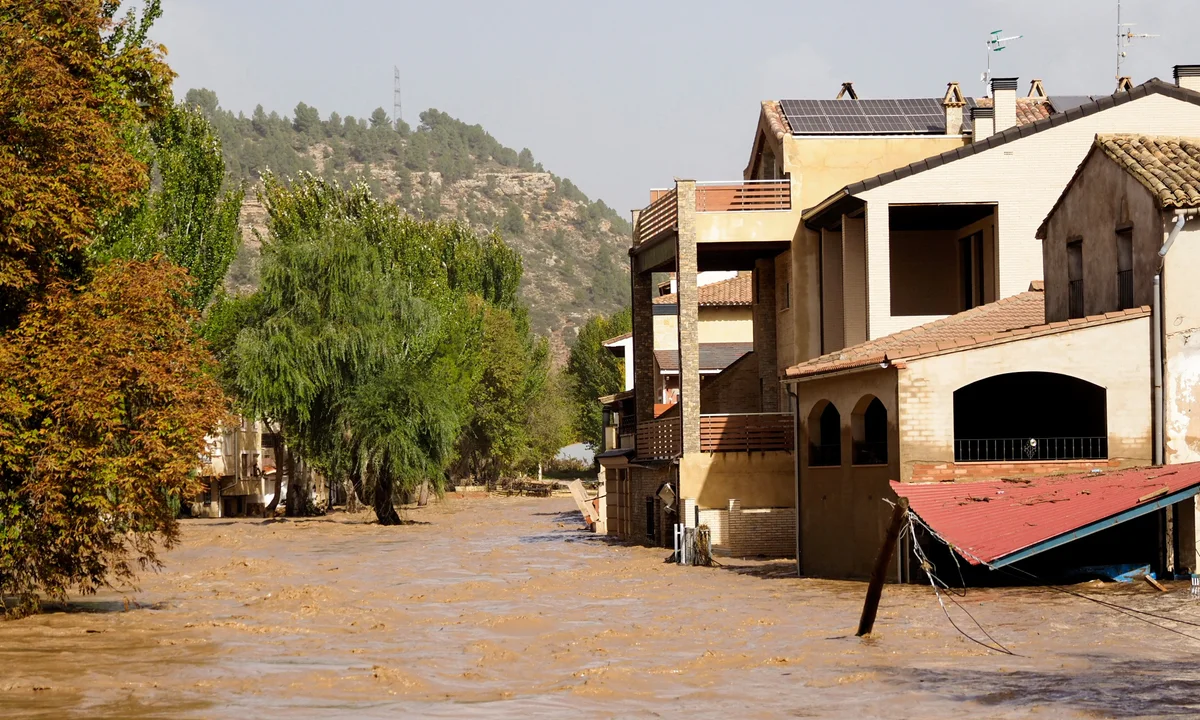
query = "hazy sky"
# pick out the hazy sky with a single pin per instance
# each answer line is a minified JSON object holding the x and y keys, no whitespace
{"x":624,"y":96}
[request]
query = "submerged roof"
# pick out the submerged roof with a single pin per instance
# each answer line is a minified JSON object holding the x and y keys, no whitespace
{"x":1169,"y":167}
{"x":732,"y":291}
{"x":998,"y":522}
{"x":713,"y":356}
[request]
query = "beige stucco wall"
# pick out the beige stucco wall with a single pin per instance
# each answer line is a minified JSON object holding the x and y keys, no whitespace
{"x":1181,"y":316}
{"x":716,"y":325}
{"x":843,"y":517}
{"x":757,"y":479}
{"x":785,"y":331}
{"x":1102,"y":197}
{"x":1024,"y":177}
{"x":1115,"y":356}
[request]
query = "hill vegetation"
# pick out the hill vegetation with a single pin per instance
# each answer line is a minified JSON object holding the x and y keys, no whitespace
{"x":573,"y":247}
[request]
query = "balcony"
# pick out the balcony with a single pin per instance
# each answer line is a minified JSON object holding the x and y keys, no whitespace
{"x":743,"y":210}
{"x":660,"y":439}
{"x":1124,"y":289}
{"x":751,"y":432}
{"x":1075,"y":298}
{"x":1031,"y":449}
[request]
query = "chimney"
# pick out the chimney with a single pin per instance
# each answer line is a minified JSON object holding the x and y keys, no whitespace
{"x":953,"y":102}
{"x":1037,"y":90}
{"x":1004,"y":100}
{"x":847,"y":90}
{"x":983,"y":122}
{"x":1124,"y":83}
{"x":1188,"y":77}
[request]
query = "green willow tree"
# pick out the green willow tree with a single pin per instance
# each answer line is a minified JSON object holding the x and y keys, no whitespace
{"x":595,"y":372}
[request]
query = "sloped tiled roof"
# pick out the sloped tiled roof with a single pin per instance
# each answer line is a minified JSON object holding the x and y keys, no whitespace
{"x":713,"y":356}
{"x":617,"y":339}
{"x":1169,"y":167}
{"x":1012,"y":317}
{"x":1029,"y":110}
{"x":734,"y":291}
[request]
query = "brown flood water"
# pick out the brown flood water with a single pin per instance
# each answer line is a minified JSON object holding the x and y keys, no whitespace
{"x":504,"y":607}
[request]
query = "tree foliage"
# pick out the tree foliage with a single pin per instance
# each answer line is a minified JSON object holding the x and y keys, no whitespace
{"x":76,"y":89}
{"x":106,"y":394}
{"x":595,"y":372}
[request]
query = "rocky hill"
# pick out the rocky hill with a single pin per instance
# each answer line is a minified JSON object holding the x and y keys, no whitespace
{"x":574,"y":248}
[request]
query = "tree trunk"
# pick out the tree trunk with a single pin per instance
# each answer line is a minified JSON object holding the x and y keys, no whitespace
{"x":299,"y":497}
{"x":385,"y":509}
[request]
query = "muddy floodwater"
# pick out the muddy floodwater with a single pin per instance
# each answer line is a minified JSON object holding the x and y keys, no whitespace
{"x":505,"y":607}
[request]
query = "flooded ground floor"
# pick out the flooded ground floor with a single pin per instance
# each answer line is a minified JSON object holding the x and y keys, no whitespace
{"x":505,"y":607}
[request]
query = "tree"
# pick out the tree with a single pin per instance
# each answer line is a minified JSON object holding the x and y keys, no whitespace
{"x":106,"y":395}
{"x":380,"y":119}
{"x":595,"y":372}
{"x":76,"y":89}
{"x":550,"y":424}
{"x":188,"y":218}
{"x":513,"y":222}
{"x":307,"y":120}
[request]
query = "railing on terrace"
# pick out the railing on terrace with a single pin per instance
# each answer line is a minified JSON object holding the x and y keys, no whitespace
{"x":1030,"y":449}
{"x":1124,"y":289}
{"x":660,"y":216}
{"x":746,"y":432}
{"x":1075,"y":298}
{"x":660,"y":439}
{"x":870,"y":453}
{"x":743,"y":195}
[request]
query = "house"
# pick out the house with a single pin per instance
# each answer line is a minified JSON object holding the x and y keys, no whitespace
{"x":238,"y":470}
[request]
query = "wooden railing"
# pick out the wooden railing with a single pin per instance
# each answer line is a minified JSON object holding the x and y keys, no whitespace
{"x":660,"y":216}
{"x":756,"y":432}
{"x":660,"y":439}
{"x":745,"y":195}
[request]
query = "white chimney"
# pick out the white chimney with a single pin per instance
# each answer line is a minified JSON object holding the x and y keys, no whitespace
{"x":1188,"y":77}
{"x":1004,"y":99}
{"x":983,"y":123}
{"x":953,"y":102}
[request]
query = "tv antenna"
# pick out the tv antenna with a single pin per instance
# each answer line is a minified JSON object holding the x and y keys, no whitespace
{"x":995,"y":44}
{"x":1125,"y":36}
{"x":396,"y":108}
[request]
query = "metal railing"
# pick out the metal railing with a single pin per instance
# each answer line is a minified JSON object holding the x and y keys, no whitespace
{"x":1075,"y":298}
{"x":1030,"y":449}
{"x":1124,"y":289}
{"x":870,"y":453}
{"x":660,"y":439}
{"x":658,"y":217}
{"x":825,"y":455}
{"x":746,"y":432}
{"x":743,"y":195}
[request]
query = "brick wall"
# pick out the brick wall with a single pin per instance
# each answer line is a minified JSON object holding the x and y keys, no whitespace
{"x":716,"y":520}
{"x":765,"y":309}
{"x":751,"y":532}
{"x":964,"y":472}
{"x":735,"y":390}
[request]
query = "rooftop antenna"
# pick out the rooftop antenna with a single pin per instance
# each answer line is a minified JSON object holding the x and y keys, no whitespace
{"x":995,"y":44}
{"x":396,"y":110}
{"x":1125,"y":36}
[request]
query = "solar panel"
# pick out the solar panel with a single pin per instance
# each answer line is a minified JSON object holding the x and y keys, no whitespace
{"x":856,"y":117}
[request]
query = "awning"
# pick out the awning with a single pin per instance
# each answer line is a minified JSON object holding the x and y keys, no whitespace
{"x":999,"y":522}
{"x":615,"y":458}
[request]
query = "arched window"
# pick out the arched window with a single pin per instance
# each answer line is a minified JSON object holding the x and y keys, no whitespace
{"x":824,"y":435}
{"x":1030,"y":416}
{"x":868,"y":427}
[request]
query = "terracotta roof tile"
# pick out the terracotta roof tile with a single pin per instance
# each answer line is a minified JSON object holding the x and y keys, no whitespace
{"x":734,"y":291}
{"x":1029,"y":110}
{"x":1169,"y":167}
{"x":617,"y":339}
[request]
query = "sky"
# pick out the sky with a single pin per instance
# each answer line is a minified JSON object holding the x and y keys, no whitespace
{"x":622,"y":96}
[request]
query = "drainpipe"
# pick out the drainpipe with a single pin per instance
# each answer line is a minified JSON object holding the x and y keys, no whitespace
{"x":1159,"y":332}
{"x":794,"y":401}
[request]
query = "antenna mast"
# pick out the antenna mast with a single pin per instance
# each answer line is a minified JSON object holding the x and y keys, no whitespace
{"x":397,"y":116}
{"x":1125,"y":36}
{"x":995,"y":43}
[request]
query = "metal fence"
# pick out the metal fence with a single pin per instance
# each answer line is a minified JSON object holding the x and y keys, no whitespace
{"x":1031,"y":449}
{"x":1125,"y":289}
{"x":1075,"y":298}
{"x":870,"y":453}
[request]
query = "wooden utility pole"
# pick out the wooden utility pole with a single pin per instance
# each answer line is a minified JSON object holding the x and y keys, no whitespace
{"x":875,"y":588}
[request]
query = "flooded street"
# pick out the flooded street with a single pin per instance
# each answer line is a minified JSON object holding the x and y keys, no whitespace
{"x":504,"y":607}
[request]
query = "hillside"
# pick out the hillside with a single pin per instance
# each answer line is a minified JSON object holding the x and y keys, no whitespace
{"x":574,"y":248}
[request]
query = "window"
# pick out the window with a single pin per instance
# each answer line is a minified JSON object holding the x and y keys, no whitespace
{"x":970,"y":258}
{"x":787,"y":295}
{"x":824,"y":435}
{"x":650,"y":511}
{"x":1075,"y":279}
{"x":1125,"y":268}
{"x":868,"y":427}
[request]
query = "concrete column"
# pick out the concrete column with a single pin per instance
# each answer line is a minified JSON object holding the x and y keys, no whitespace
{"x":832,"y":298}
{"x":643,"y":343}
{"x":806,"y":289}
{"x":764,"y":334}
{"x":688,"y":509}
{"x":854,"y":280}
{"x":689,"y":328}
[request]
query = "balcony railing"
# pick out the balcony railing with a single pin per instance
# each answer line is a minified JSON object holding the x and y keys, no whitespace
{"x":870,"y":453}
{"x":1124,"y":289}
{"x":825,"y":455}
{"x":752,"y":432}
{"x":660,"y":439}
{"x":1030,"y":449}
{"x":743,"y":195}
{"x":1075,"y":298}
{"x":658,"y":217}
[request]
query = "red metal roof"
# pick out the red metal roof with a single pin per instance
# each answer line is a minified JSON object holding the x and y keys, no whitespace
{"x":989,"y":520}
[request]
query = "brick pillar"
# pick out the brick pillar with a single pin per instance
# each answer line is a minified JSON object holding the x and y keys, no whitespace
{"x":764,"y":334}
{"x":689,"y":334}
{"x":643,"y":343}
{"x":688,"y":508}
{"x":735,"y":528}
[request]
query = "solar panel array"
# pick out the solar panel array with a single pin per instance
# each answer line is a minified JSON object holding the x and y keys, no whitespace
{"x":907,"y":116}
